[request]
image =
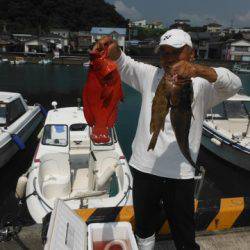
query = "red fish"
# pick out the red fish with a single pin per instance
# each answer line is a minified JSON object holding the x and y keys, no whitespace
{"x":101,"y":95}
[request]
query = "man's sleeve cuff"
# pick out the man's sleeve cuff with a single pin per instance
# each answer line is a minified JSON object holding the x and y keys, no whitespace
{"x":221,"y":76}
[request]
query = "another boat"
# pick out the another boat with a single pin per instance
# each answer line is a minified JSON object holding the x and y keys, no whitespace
{"x":241,"y":68}
{"x":17,"y":123}
{"x":18,"y":60}
{"x":5,"y":60}
{"x":226,"y":131}
{"x":86,"y":64}
{"x":45,"y":61}
{"x":69,"y":166}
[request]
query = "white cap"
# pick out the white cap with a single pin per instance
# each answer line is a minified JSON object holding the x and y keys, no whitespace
{"x":176,"y":38}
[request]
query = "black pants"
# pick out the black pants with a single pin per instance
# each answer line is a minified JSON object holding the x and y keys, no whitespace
{"x":151,"y":194}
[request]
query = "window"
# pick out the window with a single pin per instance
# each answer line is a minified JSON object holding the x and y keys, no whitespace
{"x":78,"y":127}
{"x":15,"y":109}
{"x":2,"y":114}
{"x":55,"y":135}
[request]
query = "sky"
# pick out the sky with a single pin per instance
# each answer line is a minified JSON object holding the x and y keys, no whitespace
{"x":199,"y":12}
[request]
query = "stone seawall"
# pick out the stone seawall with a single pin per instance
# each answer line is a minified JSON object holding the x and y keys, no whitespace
{"x":80,"y":59}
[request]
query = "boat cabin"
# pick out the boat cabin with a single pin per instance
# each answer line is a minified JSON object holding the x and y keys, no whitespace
{"x":12,"y":106}
{"x":233,"y":115}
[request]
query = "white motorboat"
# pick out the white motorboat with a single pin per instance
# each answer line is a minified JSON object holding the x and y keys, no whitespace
{"x":45,"y":61}
{"x":69,"y":166}
{"x":226,"y":131}
{"x":86,"y":64}
{"x":241,"y":68}
{"x":18,"y":60}
{"x":4,"y":60}
{"x":17,"y":123}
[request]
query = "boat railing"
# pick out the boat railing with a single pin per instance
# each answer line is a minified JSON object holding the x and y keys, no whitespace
{"x":104,"y":146}
{"x":248,"y":128}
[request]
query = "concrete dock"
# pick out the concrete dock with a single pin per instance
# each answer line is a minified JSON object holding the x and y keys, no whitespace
{"x":237,"y":239}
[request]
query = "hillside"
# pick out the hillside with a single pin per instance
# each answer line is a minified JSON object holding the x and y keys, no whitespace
{"x":38,"y":16}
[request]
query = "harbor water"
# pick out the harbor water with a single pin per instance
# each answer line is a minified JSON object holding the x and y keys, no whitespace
{"x":47,"y":83}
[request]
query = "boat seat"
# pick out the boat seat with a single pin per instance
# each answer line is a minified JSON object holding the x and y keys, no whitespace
{"x":54,"y":175}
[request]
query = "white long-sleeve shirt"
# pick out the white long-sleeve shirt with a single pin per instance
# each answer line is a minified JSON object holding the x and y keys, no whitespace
{"x":166,"y":159}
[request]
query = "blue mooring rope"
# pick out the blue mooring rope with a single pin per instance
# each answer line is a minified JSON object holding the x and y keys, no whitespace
{"x":18,"y":141}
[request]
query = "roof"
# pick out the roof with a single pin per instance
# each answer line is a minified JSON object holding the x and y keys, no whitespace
{"x":241,"y":42}
{"x":22,"y":35}
{"x":8,"y":97}
{"x":107,"y":31}
{"x":239,"y":97}
{"x":68,"y":116}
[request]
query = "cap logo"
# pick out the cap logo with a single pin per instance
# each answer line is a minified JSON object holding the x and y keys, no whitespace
{"x":166,"y":37}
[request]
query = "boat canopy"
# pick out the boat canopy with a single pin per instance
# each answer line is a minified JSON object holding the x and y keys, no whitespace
{"x":239,"y":97}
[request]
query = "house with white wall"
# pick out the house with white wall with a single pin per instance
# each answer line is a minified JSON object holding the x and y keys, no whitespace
{"x":118,"y":34}
{"x":140,"y":23}
{"x":238,"y":50}
{"x":213,"y":27}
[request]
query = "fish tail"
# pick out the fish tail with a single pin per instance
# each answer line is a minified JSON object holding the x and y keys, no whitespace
{"x":153,"y":141}
{"x":187,"y":155}
{"x":192,"y":114}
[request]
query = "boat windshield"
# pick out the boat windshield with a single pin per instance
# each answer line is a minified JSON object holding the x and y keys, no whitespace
{"x":55,"y":135}
{"x":231,"y":109}
{"x":2,"y":114}
{"x":237,"y":109}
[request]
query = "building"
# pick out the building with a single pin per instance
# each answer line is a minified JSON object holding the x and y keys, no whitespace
{"x":35,"y":45}
{"x":59,"y":41}
{"x":156,"y":25}
{"x":140,"y":23}
{"x":7,"y":43}
{"x":183,"y":24}
{"x":231,"y":30}
{"x":117,"y":34}
{"x":83,"y":40}
{"x":61,"y":32}
{"x":46,"y":43}
{"x":22,"y":37}
{"x":237,"y":50}
{"x":213,"y":27}
{"x":201,"y":42}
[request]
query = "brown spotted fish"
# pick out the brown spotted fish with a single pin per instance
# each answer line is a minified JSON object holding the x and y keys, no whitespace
{"x":177,"y":98}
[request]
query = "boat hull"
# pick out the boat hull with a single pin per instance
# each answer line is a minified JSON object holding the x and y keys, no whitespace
{"x":10,"y":148}
{"x":224,"y":149}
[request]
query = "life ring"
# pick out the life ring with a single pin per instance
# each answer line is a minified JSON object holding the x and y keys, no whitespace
{"x":120,"y":243}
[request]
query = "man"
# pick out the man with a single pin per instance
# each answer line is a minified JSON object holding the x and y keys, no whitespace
{"x":164,"y":175}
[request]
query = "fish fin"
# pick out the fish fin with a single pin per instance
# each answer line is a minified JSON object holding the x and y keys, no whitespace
{"x":166,"y":113}
{"x":153,"y":141}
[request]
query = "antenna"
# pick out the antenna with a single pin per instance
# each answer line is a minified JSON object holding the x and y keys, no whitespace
{"x":79,"y":103}
{"x":54,"y":104}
